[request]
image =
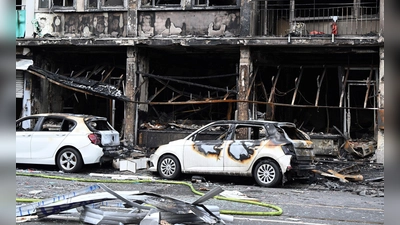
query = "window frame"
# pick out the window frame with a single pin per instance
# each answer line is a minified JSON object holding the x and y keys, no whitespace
{"x":208,"y":5}
{"x":153,"y":4}
{"x":52,"y":7}
{"x":100,"y":6}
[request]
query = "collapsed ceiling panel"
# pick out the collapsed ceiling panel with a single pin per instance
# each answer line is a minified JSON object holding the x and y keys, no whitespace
{"x":80,"y":84}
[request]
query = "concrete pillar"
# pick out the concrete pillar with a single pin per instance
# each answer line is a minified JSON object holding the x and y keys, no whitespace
{"x":243,"y":83}
{"x":245,"y":15}
{"x":381,"y":127}
{"x":382,"y":17}
{"x":143,"y":66}
{"x":130,"y":87}
{"x":132,"y":19}
{"x":30,"y":15}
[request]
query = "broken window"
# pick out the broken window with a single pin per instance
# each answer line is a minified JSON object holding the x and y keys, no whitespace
{"x":46,"y":4}
{"x":249,"y":133}
{"x":63,"y":3}
{"x":200,"y":2}
{"x":112,"y":2}
{"x":169,"y":3}
{"x":221,"y":2}
{"x":214,"y":2}
{"x":98,"y":4}
{"x":52,"y":124}
{"x":93,"y":4}
{"x":216,"y":132}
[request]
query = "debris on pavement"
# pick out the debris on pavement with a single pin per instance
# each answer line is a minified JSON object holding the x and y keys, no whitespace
{"x":122,"y":177}
{"x":237,"y":195}
{"x":342,"y":177}
{"x":128,"y":207}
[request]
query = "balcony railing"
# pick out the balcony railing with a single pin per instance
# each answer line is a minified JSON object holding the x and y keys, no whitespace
{"x":350,"y":20}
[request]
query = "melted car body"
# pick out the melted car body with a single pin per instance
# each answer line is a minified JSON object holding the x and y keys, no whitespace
{"x":269,"y":151}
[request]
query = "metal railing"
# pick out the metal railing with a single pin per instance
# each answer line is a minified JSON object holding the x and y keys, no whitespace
{"x":350,"y":20}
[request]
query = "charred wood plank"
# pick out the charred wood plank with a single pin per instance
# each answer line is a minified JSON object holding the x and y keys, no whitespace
{"x":319,"y":83}
{"x":186,"y":82}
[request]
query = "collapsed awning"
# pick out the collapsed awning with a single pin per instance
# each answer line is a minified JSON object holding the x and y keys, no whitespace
{"x":79,"y":84}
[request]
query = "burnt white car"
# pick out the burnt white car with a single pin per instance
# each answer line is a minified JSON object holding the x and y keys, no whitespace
{"x":67,"y":140}
{"x":271,"y":152}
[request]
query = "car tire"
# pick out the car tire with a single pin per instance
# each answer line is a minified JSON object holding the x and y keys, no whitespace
{"x":169,"y":167}
{"x":69,"y":160}
{"x":267,"y":173}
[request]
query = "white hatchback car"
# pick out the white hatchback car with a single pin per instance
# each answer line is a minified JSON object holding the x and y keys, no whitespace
{"x":267,"y":150}
{"x":66,"y":140}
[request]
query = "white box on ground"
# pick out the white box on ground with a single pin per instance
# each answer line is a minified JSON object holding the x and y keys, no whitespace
{"x":127,"y":165}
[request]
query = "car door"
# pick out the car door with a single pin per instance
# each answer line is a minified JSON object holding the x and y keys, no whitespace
{"x":244,"y":147}
{"x":205,"y":152}
{"x":25,"y":129}
{"x":46,"y":141}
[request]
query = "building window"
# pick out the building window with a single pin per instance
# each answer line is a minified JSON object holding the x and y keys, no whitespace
{"x":200,"y":2}
{"x":112,"y":3}
{"x":168,"y":3}
{"x":63,"y":3}
{"x":98,"y":4}
{"x":46,"y":4}
{"x":214,"y":2}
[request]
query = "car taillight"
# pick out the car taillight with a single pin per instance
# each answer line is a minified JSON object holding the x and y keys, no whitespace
{"x":94,"y":138}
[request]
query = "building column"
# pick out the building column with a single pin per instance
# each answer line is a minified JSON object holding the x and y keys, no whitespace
{"x":243,"y":83}
{"x":381,"y":125}
{"x":130,"y":107}
{"x":143,"y":66}
{"x":245,"y":15}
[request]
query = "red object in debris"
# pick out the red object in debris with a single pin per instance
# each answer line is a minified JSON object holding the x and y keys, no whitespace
{"x":314,"y":32}
{"x":334,"y":28}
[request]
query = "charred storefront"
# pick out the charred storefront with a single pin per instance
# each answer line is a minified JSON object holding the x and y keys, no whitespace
{"x":160,"y":69}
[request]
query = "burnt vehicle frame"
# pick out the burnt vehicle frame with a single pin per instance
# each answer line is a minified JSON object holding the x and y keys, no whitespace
{"x":271,"y":152}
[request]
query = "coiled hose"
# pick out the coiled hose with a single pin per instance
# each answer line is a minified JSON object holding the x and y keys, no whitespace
{"x":278,"y":211}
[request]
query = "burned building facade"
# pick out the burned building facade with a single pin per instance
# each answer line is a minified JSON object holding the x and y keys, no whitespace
{"x":183,"y":62}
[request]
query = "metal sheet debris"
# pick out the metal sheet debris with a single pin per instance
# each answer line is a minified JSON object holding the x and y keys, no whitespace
{"x":136,"y":208}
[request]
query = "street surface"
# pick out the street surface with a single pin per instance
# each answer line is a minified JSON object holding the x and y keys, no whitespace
{"x":302,"y":203}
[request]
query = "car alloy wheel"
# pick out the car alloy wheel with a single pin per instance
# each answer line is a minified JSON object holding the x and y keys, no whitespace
{"x":267,"y":173}
{"x":69,"y":160}
{"x":169,"y":167}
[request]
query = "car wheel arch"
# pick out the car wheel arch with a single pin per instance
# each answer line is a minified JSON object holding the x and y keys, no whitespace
{"x":171,"y":154}
{"x":253,"y":167}
{"x":64,"y":147}
{"x":169,"y":166}
{"x":79,"y":159}
{"x":267,"y":163}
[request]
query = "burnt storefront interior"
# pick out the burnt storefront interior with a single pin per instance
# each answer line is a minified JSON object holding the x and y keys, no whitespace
{"x":177,"y":65}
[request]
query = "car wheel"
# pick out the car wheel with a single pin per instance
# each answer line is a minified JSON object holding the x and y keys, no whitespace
{"x":69,"y":160}
{"x":267,"y":173}
{"x":169,"y":167}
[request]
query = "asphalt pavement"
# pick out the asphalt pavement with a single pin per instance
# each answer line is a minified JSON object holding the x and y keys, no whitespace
{"x":301,"y":203}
